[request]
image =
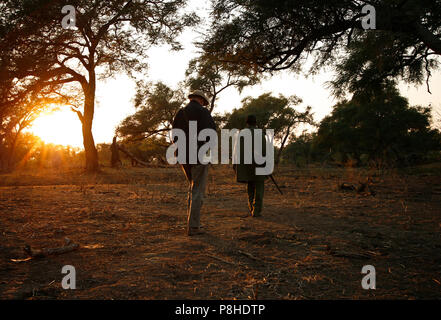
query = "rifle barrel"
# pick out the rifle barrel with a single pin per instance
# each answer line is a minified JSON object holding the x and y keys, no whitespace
{"x":275,"y":183}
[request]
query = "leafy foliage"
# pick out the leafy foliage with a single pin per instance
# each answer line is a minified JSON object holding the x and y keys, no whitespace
{"x":378,"y":124}
{"x":157,"y":105}
{"x":109,"y":37}
{"x":275,"y":113}
{"x":281,"y":34}
{"x":214,"y":77}
{"x":375,"y":57}
{"x":301,"y":151}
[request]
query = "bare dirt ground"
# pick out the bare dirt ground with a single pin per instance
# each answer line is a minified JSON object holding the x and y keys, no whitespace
{"x":310,"y":243}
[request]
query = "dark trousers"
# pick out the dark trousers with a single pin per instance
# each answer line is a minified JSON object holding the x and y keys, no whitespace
{"x":255,"y":196}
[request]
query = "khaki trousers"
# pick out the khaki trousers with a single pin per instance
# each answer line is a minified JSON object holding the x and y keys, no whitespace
{"x":196,"y":192}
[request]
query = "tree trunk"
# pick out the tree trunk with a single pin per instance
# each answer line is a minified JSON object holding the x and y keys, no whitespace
{"x":212,"y":102}
{"x":89,"y":147}
{"x":10,"y":165}
{"x":87,"y":119}
{"x":282,"y":146}
{"x":3,"y":158}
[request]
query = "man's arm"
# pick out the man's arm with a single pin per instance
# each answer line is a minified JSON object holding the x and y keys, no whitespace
{"x":178,"y":122}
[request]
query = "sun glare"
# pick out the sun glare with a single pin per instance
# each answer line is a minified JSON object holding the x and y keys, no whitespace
{"x":60,"y":127}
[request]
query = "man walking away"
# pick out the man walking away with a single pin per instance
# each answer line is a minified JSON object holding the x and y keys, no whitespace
{"x":115,"y":160}
{"x":196,"y":174}
{"x":246,"y":173}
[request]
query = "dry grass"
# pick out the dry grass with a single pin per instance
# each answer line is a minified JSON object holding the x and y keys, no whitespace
{"x":310,"y":244}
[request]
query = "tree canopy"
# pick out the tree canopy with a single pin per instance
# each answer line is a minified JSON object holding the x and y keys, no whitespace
{"x":380,"y":125}
{"x":282,"y":34}
{"x":156,"y":107}
{"x":108,"y":37}
{"x":214,"y":77}
{"x":376,"y":57}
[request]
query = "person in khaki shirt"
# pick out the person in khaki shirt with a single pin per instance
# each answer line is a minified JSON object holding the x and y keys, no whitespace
{"x":246,"y":173}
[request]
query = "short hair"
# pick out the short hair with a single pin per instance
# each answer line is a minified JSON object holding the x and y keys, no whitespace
{"x":251,"y":120}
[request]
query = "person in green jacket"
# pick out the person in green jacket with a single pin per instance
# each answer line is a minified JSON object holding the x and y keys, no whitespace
{"x":246,"y":173}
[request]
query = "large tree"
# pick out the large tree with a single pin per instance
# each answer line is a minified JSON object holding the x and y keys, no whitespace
{"x":282,"y":34}
{"x":156,"y":107}
{"x":22,"y":95}
{"x":108,"y":37}
{"x":213,"y":77}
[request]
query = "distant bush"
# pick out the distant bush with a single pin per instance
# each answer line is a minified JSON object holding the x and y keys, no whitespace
{"x":378,"y":128}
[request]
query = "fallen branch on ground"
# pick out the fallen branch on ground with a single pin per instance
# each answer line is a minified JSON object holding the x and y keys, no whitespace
{"x":354,"y":255}
{"x":40,"y":253}
{"x":359,"y":188}
{"x":249,"y":255}
{"x":131,"y":156}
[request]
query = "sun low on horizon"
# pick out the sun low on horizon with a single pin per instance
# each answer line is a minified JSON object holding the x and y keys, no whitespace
{"x":60,"y":127}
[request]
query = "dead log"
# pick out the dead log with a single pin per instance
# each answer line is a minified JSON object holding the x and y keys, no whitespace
{"x":222,"y":260}
{"x":353,"y":255}
{"x":347,"y":186}
{"x":131,"y":156}
{"x":360,"y":188}
{"x":249,"y":255}
{"x":40,"y":253}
